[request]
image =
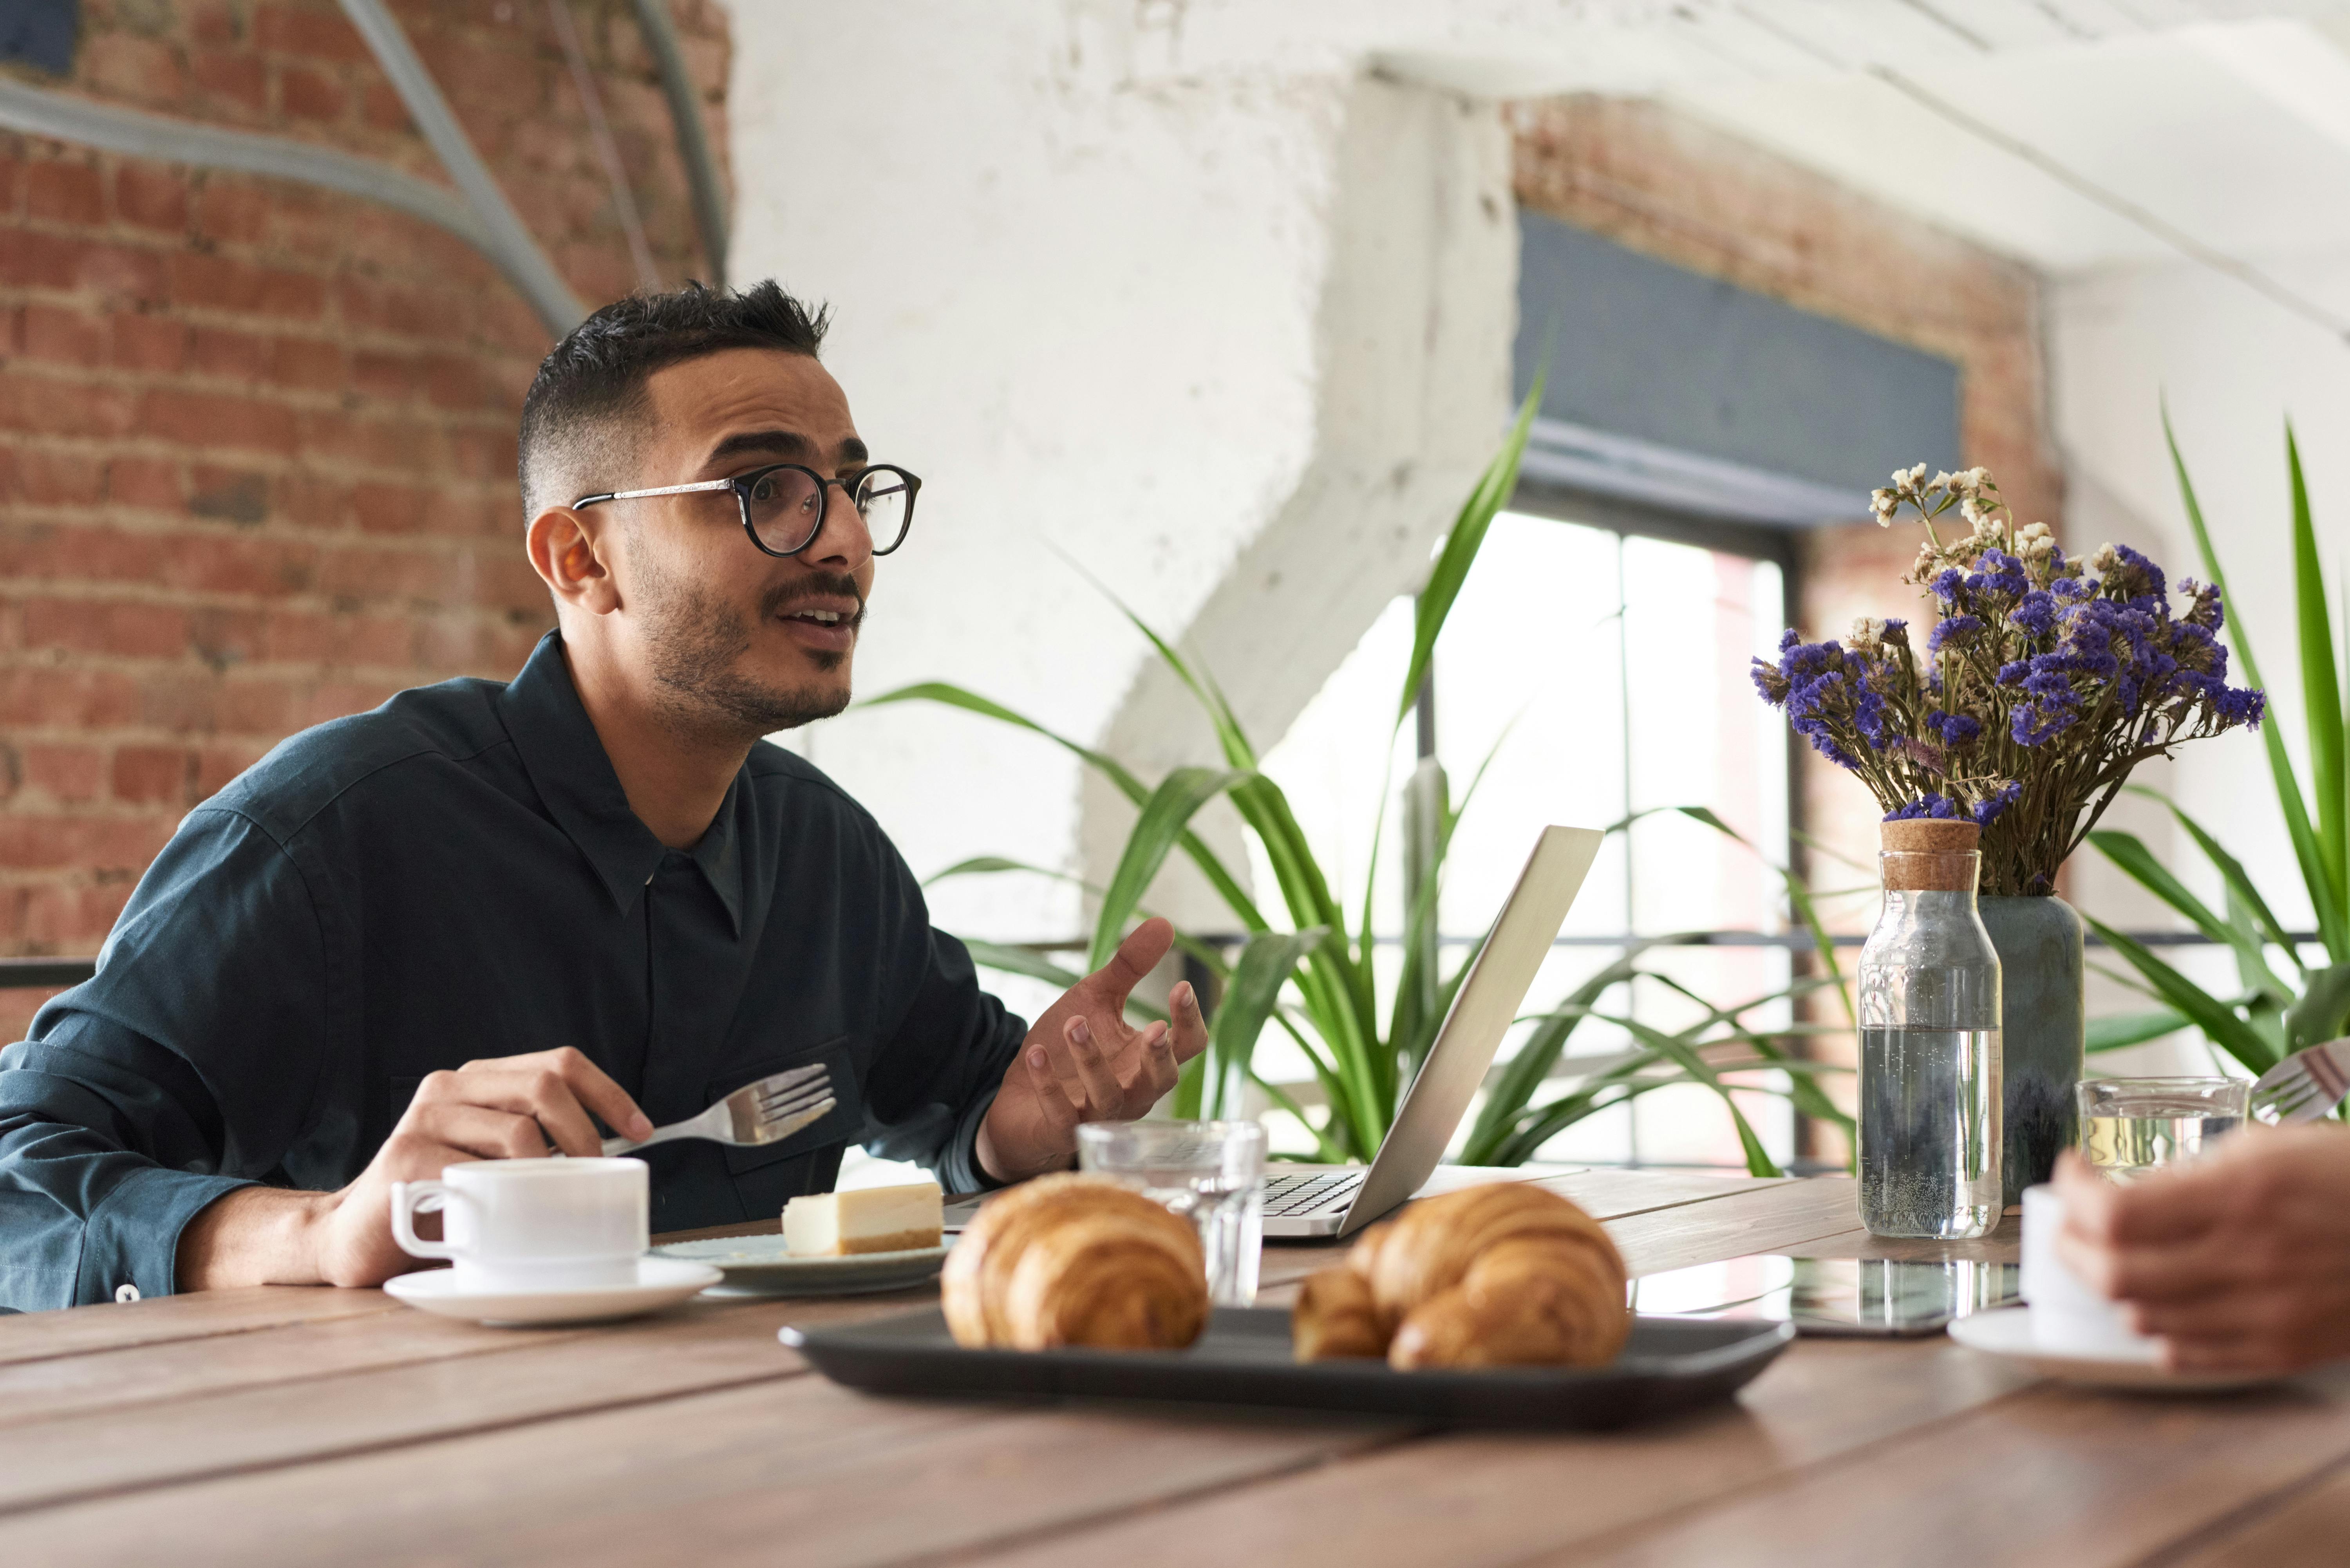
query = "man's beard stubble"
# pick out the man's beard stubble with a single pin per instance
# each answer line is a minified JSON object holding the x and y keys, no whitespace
{"x":696,"y":644}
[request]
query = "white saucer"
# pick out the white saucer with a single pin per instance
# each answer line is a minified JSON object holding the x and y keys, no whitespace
{"x":661,"y":1281}
{"x":758,"y":1266}
{"x":2008,"y":1332}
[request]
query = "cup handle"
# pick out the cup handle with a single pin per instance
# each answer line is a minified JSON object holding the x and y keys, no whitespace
{"x":409,"y":1199}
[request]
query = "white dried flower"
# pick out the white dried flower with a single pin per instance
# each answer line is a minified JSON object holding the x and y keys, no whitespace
{"x":1917,"y":475}
{"x":2105,"y":558}
{"x":1976,"y":478}
{"x":1939,"y":482}
{"x":1868,"y":634}
{"x":2031,"y":531}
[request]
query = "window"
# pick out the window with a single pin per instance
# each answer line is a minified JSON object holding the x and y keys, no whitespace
{"x":1603,"y":674}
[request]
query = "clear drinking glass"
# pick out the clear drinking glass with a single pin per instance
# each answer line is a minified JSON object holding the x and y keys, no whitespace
{"x":2131,"y":1125}
{"x":1212,"y":1173}
{"x":1930,"y":1147}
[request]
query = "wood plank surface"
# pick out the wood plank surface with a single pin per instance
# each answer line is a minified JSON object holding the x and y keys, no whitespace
{"x":257,"y":1427}
{"x":504,"y":1379}
{"x":1764,"y":1219}
{"x":42,"y":1336}
{"x":2082,"y":1478}
{"x":798,"y":1469}
{"x":2305,"y":1522}
{"x":1495,"y":1497}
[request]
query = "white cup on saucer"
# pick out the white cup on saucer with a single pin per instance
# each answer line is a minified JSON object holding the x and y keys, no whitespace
{"x":532,"y":1224}
{"x":2068,"y":1318}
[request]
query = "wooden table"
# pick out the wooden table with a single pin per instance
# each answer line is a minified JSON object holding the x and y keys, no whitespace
{"x":285,"y":1425}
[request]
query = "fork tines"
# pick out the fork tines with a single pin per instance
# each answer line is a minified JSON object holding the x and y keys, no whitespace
{"x":780,"y":1104}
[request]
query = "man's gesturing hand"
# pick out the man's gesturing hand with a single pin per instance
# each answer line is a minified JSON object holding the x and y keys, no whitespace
{"x":2238,"y":1261}
{"x":510,"y":1107}
{"x":1082,"y":1063}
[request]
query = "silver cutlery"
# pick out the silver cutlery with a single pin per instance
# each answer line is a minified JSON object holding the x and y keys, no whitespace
{"x":765,"y":1112}
{"x":2306,"y":1084}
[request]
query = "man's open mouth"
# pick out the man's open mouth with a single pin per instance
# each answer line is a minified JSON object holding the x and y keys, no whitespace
{"x":821,"y":618}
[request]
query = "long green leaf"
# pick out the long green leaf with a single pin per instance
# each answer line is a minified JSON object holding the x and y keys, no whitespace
{"x":2329,"y":909}
{"x":2321,"y":692}
{"x":1799,"y":899}
{"x":1014,"y":959}
{"x":1324,"y":1149}
{"x":2231,"y":871}
{"x":2323,"y":1010}
{"x":2214,"y":1017}
{"x":1758,"y":1161}
{"x":1165,"y":815}
{"x":1808,"y":1097}
{"x":2128,"y":852}
{"x":952,"y":696}
{"x":1507,"y":1097}
{"x":1265,"y":966}
{"x":2122,"y":1030}
{"x":1494,"y":488}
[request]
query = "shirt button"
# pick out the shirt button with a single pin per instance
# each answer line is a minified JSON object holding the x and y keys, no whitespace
{"x":126,"y":1292}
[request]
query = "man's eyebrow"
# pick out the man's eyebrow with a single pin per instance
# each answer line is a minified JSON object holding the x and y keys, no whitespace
{"x":782,"y":443}
{"x":789,"y":445}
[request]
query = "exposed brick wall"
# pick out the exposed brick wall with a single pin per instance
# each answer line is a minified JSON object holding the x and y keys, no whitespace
{"x":256,"y":439}
{"x":1672,"y":187}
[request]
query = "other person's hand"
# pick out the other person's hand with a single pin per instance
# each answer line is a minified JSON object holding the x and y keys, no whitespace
{"x":2238,"y":1261}
{"x":508,"y":1107}
{"x":1082,"y":1061}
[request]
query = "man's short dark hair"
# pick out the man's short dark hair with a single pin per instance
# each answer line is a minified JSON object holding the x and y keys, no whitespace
{"x":577,"y":417}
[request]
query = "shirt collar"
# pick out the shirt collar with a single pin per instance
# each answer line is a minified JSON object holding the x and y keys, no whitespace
{"x":567,"y":765}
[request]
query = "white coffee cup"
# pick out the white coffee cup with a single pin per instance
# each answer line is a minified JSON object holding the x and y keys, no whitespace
{"x":2067,"y":1316}
{"x":532,"y":1224}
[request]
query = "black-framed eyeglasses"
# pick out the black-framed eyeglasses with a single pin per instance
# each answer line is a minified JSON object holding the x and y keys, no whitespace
{"x":783,"y":504}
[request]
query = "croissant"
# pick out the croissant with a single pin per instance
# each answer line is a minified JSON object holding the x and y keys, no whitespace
{"x":1073,"y":1259}
{"x":1337,"y":1316}
{"x":1505,"y":1274}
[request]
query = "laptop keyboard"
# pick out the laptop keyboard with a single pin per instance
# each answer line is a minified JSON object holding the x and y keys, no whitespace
{"x":1310,"y":1192}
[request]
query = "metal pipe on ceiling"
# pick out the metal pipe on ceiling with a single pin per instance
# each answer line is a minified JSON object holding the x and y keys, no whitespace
{"x":522,"y":259}
{"x":693,"y":141}
{"x":35,"y":111}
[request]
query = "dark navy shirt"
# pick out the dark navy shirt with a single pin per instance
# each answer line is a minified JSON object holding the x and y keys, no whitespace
{"x":454,"y":875}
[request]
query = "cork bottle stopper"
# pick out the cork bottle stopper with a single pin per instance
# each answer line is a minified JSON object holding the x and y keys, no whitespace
{"x":1927,"y":853}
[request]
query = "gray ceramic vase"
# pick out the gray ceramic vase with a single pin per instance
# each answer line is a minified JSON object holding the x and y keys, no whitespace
{"x":2043,"y":1029}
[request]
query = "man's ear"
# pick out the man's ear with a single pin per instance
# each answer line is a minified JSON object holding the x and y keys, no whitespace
{"x":570,"y":557}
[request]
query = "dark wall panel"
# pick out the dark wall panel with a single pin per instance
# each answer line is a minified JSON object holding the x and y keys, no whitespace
{"x":1648,"y":351}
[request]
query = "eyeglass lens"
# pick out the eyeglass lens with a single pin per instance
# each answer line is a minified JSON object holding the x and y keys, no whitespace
{"x":786,"y":506}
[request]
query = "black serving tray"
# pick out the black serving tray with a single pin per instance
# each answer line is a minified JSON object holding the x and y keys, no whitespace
{"x":1671,"y":1364}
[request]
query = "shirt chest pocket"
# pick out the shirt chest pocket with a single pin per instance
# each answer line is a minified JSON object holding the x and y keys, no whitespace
{"x":843,"y":1124}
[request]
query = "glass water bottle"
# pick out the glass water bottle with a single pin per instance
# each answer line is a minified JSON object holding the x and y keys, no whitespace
{"x":1929,"y":1046}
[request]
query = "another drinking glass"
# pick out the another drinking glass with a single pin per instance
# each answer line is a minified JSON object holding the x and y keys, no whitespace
{"x":2131,"y":1125}
{"x":1212,"y":1173}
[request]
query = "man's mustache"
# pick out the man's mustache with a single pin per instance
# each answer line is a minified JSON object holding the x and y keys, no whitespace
{"x":783,"y":600}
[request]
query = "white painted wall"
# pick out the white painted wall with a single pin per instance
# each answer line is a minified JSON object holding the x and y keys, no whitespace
{"x":2234,"y":368}
{"x":1131,"y":312}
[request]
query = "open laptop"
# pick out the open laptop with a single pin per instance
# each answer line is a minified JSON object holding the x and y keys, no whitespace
{"x":1305,"y":1200}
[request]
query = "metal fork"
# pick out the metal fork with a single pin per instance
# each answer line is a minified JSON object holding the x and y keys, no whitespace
{"x":2306,"y":1084}
{"x":765,"y":1112}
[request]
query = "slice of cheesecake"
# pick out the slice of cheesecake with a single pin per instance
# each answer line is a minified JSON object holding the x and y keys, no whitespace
{"x":865,"y":1219}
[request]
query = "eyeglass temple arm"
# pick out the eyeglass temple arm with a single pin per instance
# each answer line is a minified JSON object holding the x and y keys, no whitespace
{"x":664,"y":490}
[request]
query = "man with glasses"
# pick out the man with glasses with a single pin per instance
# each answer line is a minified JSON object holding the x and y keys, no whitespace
{"x":481,"y":919}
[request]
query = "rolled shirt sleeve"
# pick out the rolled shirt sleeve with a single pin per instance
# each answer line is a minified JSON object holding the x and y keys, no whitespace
{"x":184,"y":1069}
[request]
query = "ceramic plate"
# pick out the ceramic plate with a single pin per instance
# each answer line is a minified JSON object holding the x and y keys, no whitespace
{"x":2008,"y":1332}
{"x":661,"y":1281}
{"x":758,"y":1266}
